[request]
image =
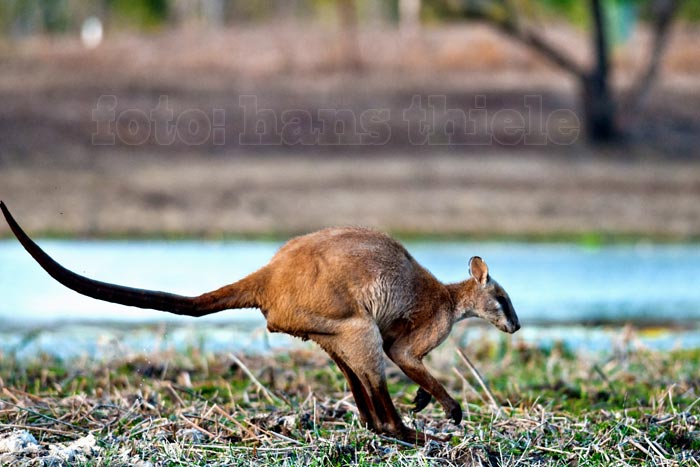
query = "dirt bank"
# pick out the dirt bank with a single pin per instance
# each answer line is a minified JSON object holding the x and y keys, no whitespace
{"x":435,"y":194}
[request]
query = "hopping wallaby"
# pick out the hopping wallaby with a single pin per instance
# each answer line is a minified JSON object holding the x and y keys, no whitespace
{"x":354,"y":291}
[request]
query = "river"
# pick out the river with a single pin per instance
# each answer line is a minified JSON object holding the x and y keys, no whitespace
{"x":571,"y":292}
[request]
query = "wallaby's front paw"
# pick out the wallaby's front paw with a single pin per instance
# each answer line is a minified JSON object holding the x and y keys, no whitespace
{"x":421,"y":400}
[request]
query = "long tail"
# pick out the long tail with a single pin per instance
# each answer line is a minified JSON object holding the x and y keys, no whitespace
{"x":232,"y":296}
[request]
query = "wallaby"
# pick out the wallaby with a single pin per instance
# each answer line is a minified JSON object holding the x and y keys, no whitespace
{"x":355,"y":292}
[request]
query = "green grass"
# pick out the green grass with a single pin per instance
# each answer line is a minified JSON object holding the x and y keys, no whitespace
{"x":632,"y":406}
{"x":588,"y":239}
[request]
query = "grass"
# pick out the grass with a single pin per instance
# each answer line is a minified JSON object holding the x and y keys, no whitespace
{"x":591,"y":239}
{"x":631,"y":406}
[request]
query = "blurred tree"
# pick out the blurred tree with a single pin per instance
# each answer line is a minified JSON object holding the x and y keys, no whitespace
{"x":690,"y":11}
{"x":409,"y":14}
{"x":54,"y":17}
{"x":24,"y":17}
{"x":345,"y":15}
{"x":138,"y":14}
{"x":601,"y":106}
{"x":213,"y":12}
{"x":350,"y":41}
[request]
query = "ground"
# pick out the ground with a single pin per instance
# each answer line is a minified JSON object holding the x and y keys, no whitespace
{"x":632,"y":406}
{"x":492,"y":197}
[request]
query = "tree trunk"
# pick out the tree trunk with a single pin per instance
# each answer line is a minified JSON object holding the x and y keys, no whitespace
{"x":598,"y":104}
{"x":599,"y":110}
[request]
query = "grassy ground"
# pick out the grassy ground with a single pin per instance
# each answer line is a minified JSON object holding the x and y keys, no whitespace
{"x":632,"y":406}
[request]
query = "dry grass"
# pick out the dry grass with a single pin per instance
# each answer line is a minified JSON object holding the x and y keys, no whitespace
{"x":631,"y":407}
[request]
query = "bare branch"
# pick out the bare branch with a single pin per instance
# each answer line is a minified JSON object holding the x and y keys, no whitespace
{"x":494,"y":405}
{"x":663,"y":14}
{"x":540,"y":45}
{"x":506,"y":22}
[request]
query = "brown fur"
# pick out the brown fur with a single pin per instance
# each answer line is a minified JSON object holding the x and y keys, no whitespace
{"x":357,"y":293}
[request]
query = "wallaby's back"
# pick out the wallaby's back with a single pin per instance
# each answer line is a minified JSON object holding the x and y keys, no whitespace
{"x":340,"y":272}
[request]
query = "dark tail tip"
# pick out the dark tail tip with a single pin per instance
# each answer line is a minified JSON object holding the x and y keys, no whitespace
{"x":5,"y":211}
{"x":8,"y":217}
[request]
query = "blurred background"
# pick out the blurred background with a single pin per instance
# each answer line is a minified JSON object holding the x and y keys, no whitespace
{"x":174,"y":144}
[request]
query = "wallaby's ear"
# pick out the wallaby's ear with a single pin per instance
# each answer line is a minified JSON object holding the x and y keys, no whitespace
{"x":479,"y":270}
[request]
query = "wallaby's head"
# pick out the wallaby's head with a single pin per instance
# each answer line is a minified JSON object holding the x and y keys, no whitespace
{"x":487,"y":299}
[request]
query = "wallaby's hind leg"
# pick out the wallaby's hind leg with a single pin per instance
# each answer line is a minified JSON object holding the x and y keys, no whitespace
{"x":358,"y":348}
{"x":358,"y":392}
{"x":402,"y":353}
{"x":355,"y":350}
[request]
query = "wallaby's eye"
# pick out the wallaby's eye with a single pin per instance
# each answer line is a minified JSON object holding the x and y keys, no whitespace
{"x":503,"y":302}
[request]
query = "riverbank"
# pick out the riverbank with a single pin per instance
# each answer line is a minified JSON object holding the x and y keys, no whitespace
{"x":106,"y":340}
{"x":497,"y":195}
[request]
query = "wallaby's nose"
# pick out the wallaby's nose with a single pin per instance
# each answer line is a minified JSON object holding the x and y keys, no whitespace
{"x":515,"y":327}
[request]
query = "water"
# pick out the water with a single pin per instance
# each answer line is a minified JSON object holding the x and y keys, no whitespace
{"x":562,"y":284}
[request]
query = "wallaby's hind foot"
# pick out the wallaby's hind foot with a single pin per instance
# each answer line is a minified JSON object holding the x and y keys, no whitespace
{"x":409,"y":435}
{"x":456,"y":414}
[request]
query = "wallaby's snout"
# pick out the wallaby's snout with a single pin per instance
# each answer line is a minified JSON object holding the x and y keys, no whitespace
{"x":505,"y":324}
{"x":507,"y":315}
{"x":513,"y":326}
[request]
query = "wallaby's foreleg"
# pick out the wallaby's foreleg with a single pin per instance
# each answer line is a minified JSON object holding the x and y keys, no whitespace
{"x":402,"y":354}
